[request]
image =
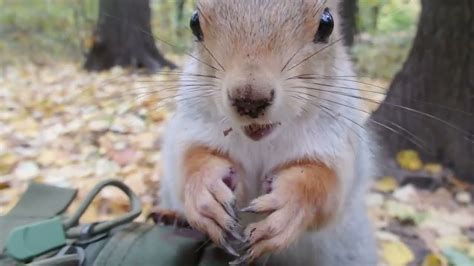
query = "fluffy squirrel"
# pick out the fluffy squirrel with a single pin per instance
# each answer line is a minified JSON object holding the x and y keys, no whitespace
{"x":267,"y":152}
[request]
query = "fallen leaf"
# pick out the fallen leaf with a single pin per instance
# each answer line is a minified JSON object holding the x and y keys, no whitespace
{"x":458,"y":258}
{"x":459,"y":242}
{"x":434,"y":260}
{"x":441,"y":227}
{"x":459,"y":184}
{"x":374,"y":200}
{"x":26,"y":170}
{"x":158,"y":115}
{"x":433,"y":168}
{"x":397,"y":253}
{"x":404,"y":212}
{"x":4,"y":185}
{"x":125,"y":157}
{"x":463,"y":197}
{"x":7,"y":162}
{"x":386,"y":184}
{"x":99,"y":125}
{"x":409,"y":160}
{"x":47,"y":157}
{"x":406,"y":194}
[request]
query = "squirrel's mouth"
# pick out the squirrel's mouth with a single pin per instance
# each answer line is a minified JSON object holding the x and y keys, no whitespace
{"x":258,"y":131}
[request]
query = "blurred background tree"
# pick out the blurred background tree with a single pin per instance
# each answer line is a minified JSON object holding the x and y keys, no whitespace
{"x":349,"y":10}
{"x":439,"y":71}
{"x":36,"y":29}
{"x":124,"y":37}
{"x":385,"y":31}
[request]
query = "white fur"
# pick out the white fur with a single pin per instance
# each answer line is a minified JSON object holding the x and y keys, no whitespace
{"x":336,"y":141}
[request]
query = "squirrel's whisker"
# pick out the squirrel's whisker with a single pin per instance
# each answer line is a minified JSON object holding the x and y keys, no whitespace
{"x":413,"y":138}
{"x":330,"y":112}
{"x":316,"y":53}
{"x":405,"y":108}
{"x":437,"y":105}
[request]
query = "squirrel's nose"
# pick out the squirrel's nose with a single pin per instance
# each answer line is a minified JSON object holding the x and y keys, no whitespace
{"x":251,"y":107}
{"x":251,"y":101}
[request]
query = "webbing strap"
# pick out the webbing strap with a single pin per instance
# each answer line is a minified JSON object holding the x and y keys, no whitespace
{"x":114,"y":253}
{"x":214,"y":256}
{"x":65,"y":260}
{"x":146,"y":244}
{"x":39,"y":202}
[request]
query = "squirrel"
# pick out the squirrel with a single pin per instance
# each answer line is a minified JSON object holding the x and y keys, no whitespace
{"x":266,"y":153}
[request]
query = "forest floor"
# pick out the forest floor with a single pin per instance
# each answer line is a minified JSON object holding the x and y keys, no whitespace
{"x":63,"y":126}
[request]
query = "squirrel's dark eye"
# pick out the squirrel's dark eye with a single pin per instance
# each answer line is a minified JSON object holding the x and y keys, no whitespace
{"x":196,"y":26}
{"x":326,"y":26}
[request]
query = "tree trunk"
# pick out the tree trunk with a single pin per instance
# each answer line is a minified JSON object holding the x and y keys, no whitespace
{"x":439,"y":71}
{"x":124,"y":38}
{"x":180,"y":10}
{"x":375,"y":11}
{"x":349,"y":14}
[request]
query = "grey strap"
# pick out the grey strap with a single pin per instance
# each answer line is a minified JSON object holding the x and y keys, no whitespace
{"x":75,"y":231}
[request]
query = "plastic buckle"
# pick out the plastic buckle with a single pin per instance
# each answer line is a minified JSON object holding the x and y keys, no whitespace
{"x":26,"y":242}
{"x":73,"y":250}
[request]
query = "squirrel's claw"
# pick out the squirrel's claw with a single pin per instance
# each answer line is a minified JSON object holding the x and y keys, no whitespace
{"x":242,"y":259}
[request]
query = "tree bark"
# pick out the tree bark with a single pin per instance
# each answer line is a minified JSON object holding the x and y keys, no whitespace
{"x":375,"y":11}
{"x":439,"y":71}
{"x":349,"y":14}
{"x":180,"y":10}
{"x":123,"y":37}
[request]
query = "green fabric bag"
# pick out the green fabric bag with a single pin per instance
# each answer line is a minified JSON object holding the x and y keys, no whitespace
{"x":36,"y":232}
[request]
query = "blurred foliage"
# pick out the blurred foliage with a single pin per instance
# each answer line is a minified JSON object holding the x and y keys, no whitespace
{"x":387,"y":16}
{"x":386,"y":30}
{"x":34,"y":30}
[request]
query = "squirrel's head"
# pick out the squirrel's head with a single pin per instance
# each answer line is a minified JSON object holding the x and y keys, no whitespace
{"x":259,"y":52}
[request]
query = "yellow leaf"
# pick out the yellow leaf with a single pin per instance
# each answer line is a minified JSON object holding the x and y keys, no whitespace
{"x":470,"y":250}
{"x":47,"y":157}
{"x":28,"y":127}
{"x":158,"y":115}
{"x":89,"y":42}
{"x":459,"y":241}
{"x":433,"y":260}
{"x":4,"y":185}
{"x":433,"y":168}
{"x":409,"y":160}
{"x":14,"y":198}
{"x":397,"y":253}
{"x":7,"y":162}
{"x":386,"y":184}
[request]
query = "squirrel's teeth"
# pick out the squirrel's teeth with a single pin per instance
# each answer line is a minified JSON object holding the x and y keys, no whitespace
{"x":258,"y":131}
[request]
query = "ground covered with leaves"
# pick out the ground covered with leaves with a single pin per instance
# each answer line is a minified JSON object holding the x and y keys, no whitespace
{"x":63,"y":126}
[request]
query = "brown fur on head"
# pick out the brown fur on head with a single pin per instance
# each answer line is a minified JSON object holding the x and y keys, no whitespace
{"x":238,"y":29}
{"x":257,"y":28}
{"x":255,"y":46}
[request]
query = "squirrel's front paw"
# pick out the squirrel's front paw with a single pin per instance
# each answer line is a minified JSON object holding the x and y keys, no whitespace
{"x":300,"y":198}
{"x":209,"y":199}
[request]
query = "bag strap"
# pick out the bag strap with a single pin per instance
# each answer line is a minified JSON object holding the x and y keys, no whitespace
{"x":67,"y":256}
{"x":39,"y":202}
{"x":76,"y":231}
{"x":34,"y":239}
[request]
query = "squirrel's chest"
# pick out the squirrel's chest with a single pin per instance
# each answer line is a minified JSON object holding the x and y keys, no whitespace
{"x":258,"y":160}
